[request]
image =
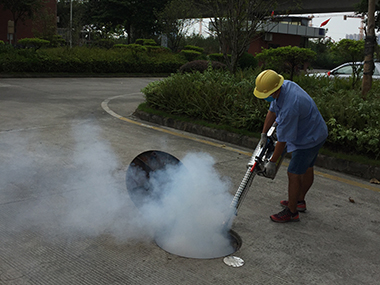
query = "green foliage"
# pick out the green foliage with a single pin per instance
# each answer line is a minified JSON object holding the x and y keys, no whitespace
{"x":210,"y":44}
{"x":120,"y":46}
{"x":286,"y":59}
{"x":223,"y":98}
{"x":136,"y":50}
{"x":247,"y":60}
{"x":146,"y":42}
{"x":325,"y":59}
{"x":217,"y":57}
{"x":1,"y":42}
{"x":105,"y":43}
{"x":190,"y":55}
{"x":216,"y":96}
{"x":88,"y":60}
{"x":137,"y":18}
{"x":57,"y":41}
{"x":201,"y":66}
{"x":351,"y":51}
{"x":33,"y":43}
{"x":190,"y":47}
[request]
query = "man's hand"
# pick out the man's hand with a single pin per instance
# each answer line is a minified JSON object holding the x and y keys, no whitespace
{"x":270,"y":169}
{"x":263,"y":140}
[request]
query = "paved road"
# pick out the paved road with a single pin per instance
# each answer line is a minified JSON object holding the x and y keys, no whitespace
{"x":66,"y":217}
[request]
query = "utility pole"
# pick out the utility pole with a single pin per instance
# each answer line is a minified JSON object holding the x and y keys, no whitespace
{"x":370,"y":41}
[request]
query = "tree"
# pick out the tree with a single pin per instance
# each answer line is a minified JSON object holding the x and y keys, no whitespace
{"x":137,"y":17}
{"x":236,"y":23}
{"x":370,"y":42}
{"x":284,"y":59}
{"x":21,"y":10}
{"x":362,"y":9}
{"x":353,"y":51}
{"x":175,"y":22}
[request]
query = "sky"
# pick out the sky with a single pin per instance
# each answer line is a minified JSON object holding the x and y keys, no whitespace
{"x":337,"y":28}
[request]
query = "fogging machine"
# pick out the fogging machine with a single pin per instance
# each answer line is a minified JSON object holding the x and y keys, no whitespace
{"x":256,"y":165}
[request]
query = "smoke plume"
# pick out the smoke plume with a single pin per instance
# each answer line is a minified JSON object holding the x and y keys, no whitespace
{"x":84,"y":195}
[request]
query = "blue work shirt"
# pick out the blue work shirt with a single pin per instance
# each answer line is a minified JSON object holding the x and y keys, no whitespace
{"x":300,"y":124}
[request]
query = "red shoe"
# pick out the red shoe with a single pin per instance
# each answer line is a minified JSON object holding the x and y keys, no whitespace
{"x":285,"y":216}
{"x":301,"y":205}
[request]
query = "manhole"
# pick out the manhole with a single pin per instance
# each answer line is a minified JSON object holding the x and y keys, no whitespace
{"x":139,"y":172}
{"x":187,"y":246}
{"x":202,"y":237}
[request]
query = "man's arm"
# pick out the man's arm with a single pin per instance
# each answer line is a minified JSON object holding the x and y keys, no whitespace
{"x":269,"y":120}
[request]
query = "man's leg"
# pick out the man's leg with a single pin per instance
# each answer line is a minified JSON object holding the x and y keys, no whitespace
{"x":298,"y":186}
{"x":294,"y":190}
{"x":307,"y":181}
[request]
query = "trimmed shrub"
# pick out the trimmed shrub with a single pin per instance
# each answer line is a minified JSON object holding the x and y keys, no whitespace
{"x":190,"y":47}
{"x":201,"y":66}
{"x":190,"y":55}
{"x":56,"y":41}
{"x":159,"y":49}
{"x":33,"y":43}
{"x":136,"y":49}
{"x":146,"y":42}
{"x":120,"y":46}
{"x":1,"y":42}
{"x":217,"y":57}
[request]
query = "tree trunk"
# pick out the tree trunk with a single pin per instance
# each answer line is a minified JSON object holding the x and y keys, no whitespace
{"x":370,"y":41}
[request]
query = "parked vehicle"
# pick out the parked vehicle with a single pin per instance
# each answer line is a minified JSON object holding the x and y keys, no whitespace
{"x":345,"y":70}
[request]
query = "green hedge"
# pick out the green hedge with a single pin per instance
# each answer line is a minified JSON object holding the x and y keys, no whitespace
{"x":247,"y":60}
{"x":89,"y":60}
{"x":223,"y":98}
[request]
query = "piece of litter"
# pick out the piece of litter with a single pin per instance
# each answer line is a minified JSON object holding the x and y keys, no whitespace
{"x":374,"y":181}
{"x":351,"y":200}
{"x":233,"y":261}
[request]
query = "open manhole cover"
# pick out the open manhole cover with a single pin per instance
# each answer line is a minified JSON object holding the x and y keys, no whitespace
{"x":150,"y":177}
{"x":189,"y":246}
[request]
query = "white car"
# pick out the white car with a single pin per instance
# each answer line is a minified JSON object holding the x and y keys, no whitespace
{"x":345,"y":70}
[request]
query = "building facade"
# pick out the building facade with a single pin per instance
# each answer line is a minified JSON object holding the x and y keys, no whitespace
{"x":285,"y":31}
{"x":29,"y":28}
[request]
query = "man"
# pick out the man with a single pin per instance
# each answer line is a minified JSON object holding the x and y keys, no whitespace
{"x":301,"y":129}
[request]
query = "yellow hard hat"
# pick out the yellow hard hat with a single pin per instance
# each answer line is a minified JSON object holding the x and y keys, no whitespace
{"x":267,"y":82}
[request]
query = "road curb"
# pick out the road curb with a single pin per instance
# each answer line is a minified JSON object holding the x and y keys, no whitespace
{"x":331,"y":163}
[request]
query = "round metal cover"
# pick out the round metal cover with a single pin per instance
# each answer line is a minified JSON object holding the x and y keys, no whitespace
{"x":233,"y":261}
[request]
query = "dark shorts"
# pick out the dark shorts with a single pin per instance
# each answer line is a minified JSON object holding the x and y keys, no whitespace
{"x":302,"y":159}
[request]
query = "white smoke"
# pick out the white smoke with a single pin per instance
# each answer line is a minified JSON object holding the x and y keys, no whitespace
{"x":189,"y":219}
{"x":86,"y":196}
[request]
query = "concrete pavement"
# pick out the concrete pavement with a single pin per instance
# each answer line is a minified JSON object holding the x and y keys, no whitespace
{"x":66,"y":217}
